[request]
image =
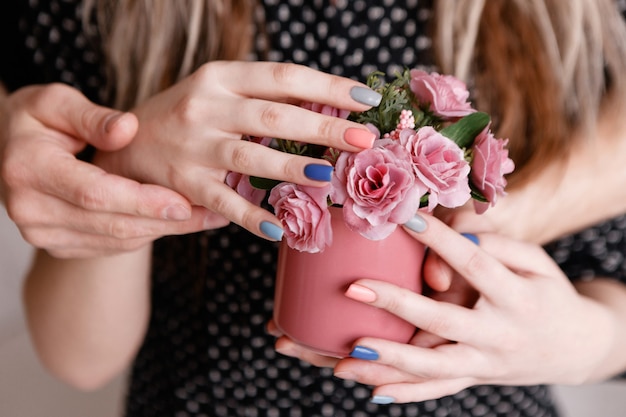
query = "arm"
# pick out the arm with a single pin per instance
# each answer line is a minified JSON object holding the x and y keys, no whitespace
{"x":87,"y":317}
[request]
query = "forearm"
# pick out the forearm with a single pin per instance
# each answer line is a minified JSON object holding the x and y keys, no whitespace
{"x":611,"y":295}
{"x":87,"y":317}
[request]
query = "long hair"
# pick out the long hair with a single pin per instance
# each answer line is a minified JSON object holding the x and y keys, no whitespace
{"x":542,"y":68}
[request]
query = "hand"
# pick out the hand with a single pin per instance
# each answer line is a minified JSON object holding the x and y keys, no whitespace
{"x":189,"y":135}
{"x":528,"y":326}
{"x":69,"y":207}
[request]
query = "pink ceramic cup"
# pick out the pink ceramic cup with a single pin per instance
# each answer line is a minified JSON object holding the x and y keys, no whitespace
{"x":310,"y":305}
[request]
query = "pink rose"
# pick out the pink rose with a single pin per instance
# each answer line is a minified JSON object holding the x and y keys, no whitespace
{"x":325,"y":109}
{"x":241,"y":184}
{"x":440,"y":167}
{"x":303,"y":212}
{"x":447,"y":95}
{"x":490,"y":164}
{"x":377,"y":189}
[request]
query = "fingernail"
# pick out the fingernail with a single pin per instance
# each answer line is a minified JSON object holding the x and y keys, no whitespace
{"x":271,"y":230}
{"x":382,"y":399}
{"x":359,"y":137}
{"x":417,"y":224}
{"x":345,"y":375}
{"x":362,"y":352}
{"x":176,"y":212}
{"x":109,"y":124}
{"x":471,"y":237}
{"x":360,"y":293}
{"x":365,"y":96}
{"x":318,"y":172}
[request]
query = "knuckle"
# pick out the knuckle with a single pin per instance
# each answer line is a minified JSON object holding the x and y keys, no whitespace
{"x":241,"y":157}
{"x":326,"y":129}
{"x":122,"y":229}
{"x":187,"y":109}
{"x":91,"y":198}
{"x":220,"y":204}
{"x":271,"y":117}
{"x":285,"y":73}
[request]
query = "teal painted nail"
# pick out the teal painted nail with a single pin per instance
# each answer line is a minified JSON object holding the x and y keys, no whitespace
{"x":271,"y":230}
{"x":318,"y":172}
{"x":417,"y":224}
{"x":366,"y":96}
{"x":362,"y":352}
{"x":471,"y":237}
{"x":382,"y":399}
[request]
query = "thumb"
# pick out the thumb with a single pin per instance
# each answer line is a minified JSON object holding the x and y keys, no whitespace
{"x":66,"y":109}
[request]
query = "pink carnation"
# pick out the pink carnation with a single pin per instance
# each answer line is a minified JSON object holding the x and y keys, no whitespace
{"x":490,"y":164}
{"x":303,"y":212}
{"x":377,"y":189}
{"x":440,"y":167}
{"x":241,"y":184}
{"x":447,"y":95}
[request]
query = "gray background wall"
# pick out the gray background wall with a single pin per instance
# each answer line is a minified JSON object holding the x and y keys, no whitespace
{"x":27,"y":391}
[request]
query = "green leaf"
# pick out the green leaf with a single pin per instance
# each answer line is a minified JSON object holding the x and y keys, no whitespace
{"x":477,"y":195}
{"x":263,"y":183}
{"x":465,"y":130}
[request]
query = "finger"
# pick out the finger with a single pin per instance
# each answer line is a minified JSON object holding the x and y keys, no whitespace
{"x":93,"y":189}
{"x":261,"y":161}
{"x":287,"y":347}
{"x":285,"y":121}
{"x":371,"y":373}
{"x":223,"y":200}
{"x":66,"y":109}
{"x":273,"y":329}
{"x":437,"y":274}
{"x":417,"y":392}
{"x":485,"y":273}
{"x":282,"y":82}
{"x":446,"y":320}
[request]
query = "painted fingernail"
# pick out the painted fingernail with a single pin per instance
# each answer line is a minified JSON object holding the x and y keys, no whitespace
{"x":417,"y":224}
{"x":365,"y":96}
{"x":360,"y":138}
{"x":271,"y":230}
{"x":360,"y":293}
{"x":362,"y":352}
{"x":382,"y":399}
{"x":318,"y":172}
{"x":176,"y":212}
{"x":471,"y":237}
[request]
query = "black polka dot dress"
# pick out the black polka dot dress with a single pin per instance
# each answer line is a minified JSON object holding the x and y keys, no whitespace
{"x":206,"y":352}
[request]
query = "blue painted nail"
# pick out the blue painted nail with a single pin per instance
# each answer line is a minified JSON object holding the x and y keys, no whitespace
{"x":362,"y":352}
{"x":318,"y":172}
{"x":471,"y":237}
{"x":366,"y":96}
{"x":271,"y":230}
{"x":417,"y":224}
{"x":382,"y":399}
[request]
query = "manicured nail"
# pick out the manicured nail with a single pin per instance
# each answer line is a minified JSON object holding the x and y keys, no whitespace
{"x":318,"y":172}
{"x":176,"y":212}
{"x":360,"y":293}
{"x":271,"y":230}
{"x":109,"y":124}
{"x":366,"y":96}
{"x":417,"y":224}
{"x":382,"y":399}
{"x":362,"y":352}
{"x":471,"y":237}
{"x":360,"y":138}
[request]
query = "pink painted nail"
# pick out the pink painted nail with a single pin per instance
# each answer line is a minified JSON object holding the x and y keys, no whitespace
{"x":359,"y":137}
{"x":360,"y":293}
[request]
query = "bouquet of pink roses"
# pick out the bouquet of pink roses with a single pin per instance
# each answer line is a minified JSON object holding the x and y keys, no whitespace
{"x":433,"y":149}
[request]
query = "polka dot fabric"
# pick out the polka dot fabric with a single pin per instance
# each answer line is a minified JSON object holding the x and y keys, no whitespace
{"x":206,"y":352}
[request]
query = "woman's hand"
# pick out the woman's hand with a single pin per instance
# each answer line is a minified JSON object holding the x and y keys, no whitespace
{"x":528,"y":326}
{"x":69,"y":207}
{"x":189,"y":136}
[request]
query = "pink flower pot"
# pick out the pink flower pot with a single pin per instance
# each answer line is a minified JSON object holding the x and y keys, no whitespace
{"x":310,"y":305}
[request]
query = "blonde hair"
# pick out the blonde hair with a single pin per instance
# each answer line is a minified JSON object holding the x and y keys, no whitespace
{"x":541,"y":68}
{"x":150,"y":45}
